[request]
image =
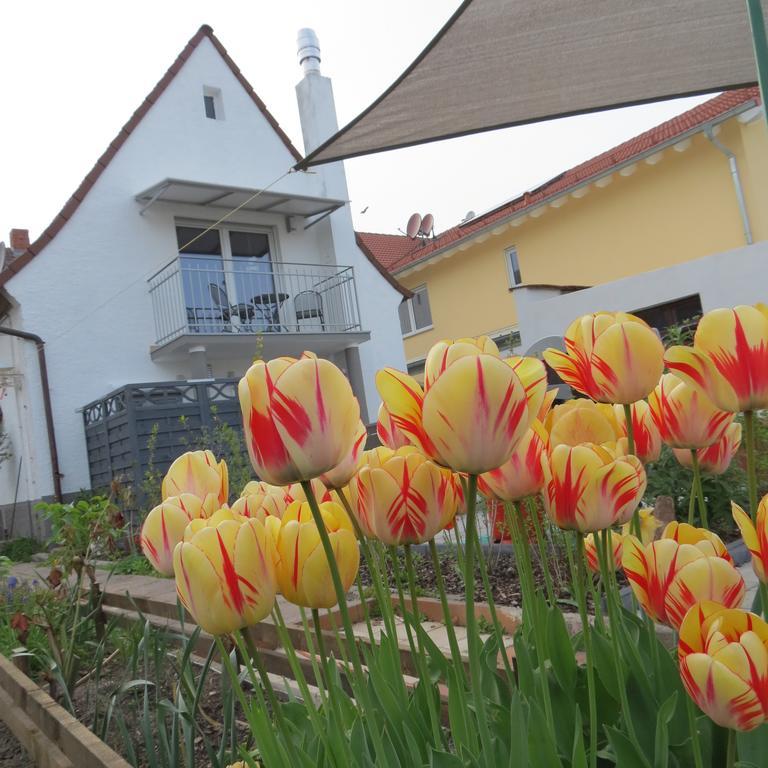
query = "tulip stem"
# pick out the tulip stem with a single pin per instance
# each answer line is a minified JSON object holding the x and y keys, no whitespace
{"x":692,"y":500}
{"x":749,"y":429}
{"x":699,"y":489}
{"x":631,"y":451}
{"x":335,"y":576}
{"x":587,"y":635}
{"x":730,"y":760}
{"x":698,"y":759}
{"x":542,"y":544}
{"x":401,"y":599}
{"x":471,"y":618}
{"x":319,"y":670}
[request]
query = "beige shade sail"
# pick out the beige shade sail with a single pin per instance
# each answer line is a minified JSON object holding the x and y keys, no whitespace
{"x":499,"y":63}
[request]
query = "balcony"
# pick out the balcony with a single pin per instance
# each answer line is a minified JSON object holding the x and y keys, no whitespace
{"x":225,"y":304}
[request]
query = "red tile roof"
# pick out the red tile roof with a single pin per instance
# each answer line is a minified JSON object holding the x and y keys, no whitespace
{"x":85,"y":185}
{"x":397,"y":252}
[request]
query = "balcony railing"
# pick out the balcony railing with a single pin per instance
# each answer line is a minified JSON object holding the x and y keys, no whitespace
{"x":211,"y":295}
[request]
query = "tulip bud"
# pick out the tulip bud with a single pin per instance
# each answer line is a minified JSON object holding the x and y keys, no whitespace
{"x":197,"y":472}
{"x":716,"y":458}
{"x":164,"y":527}
{"x":592,"y":556}
{"x":755,"y":536}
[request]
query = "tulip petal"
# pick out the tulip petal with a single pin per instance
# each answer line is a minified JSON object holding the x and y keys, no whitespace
{"x":696,"y":370}
{"x":404,"y":399}
{"x":756,"y":544}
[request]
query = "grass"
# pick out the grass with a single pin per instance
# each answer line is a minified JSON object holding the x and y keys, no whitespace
{"x":20,"y":550}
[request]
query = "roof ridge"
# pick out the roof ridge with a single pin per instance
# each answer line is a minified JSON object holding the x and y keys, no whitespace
{"x":73,"y":203}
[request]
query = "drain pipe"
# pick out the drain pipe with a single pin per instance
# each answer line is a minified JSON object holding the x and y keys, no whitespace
{"x":736,"y":182}
{"x":40,"y":344}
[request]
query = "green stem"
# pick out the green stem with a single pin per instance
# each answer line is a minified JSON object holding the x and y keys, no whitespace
{"x":730,"y":759}
{"x":586,"y":634}
{"x":692,"y":499}
{"x":364,"y":605}
{"x":749,"y":429}
{"x":631,"y":450}
{"x":401,"y":599}
{"x":494,"y":615}
{"x":319,"y":670}
{"x":542,"y":544}
{"x":698,"y":759}
{"x":471,"y":619}
{"x":458,"y":662}
{"x":336,"y":577}
{"x":699,"y":489}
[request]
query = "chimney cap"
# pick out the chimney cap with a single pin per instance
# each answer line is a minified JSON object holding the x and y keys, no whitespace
{"x":19,"y":239}
{"x":309,"y":50}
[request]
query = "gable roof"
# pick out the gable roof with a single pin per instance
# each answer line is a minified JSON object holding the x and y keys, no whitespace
{"x":79,"y":194}
{"x":398,"y":252}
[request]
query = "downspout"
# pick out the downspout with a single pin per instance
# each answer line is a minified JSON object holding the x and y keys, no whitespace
{"x":40,"y":344}
{"x":736,"y":182}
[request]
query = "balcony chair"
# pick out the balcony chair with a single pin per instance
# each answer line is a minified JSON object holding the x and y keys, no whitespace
{"x":308,"y":305}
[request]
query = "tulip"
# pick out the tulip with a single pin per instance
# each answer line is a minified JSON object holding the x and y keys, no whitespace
{"x":474,"y":408}
{"x":612,"y":357}
{"x":588,"y":488}
{"x":342,"y":473}
{"x":729,"y":358}
{"x":649,"y":524}
{"x":715,"y":459}
{"x":580,"y":421}
{"x":163,"y":529}
{"x":303,"y":572}
{"x":225,"y":574}
{"x":644,"y":430}
{"x":198,"y":473}
{"x":546,"y":404}
{"x":299,"y":416}
{"x":683,"y":533}
{"x":522,"y":474}
{"x":593,"y":559}
{"x":723,"y":656}
{"x":260,"y":505}
{"x":404,"y":499}
{"x":685,"y":416}
{"x":667,"y":578}
{"x":388,"y":431}
{"x":755,"y":536}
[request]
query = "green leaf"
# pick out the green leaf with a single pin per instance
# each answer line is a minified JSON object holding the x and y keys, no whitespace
{"x":753,"y":745}
{"x":560,"y":650}
{"x":579,"y":752}
{"x":666,"y":711}
{"x":524,"y":665}
{"x":542,"y":750}
{"x":518,"y":736}
{"x":605,"y":665}
{"x":625,"y":752}
{"x":444,"y":760}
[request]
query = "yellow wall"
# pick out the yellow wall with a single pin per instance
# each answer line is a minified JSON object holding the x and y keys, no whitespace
{"x":681,"y":208}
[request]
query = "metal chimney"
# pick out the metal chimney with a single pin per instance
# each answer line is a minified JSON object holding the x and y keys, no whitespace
{"x":309,"y":51}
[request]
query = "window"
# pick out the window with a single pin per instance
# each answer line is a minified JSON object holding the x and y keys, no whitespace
{"x":414,"y":313}
{"x":513,"y":267}
{"x":212,"y":103}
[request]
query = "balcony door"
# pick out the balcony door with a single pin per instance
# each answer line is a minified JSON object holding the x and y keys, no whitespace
{"x":228,"y":280}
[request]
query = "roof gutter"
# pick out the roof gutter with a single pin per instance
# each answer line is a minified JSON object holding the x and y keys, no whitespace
{"x":40,"y":345}
{"x":737,"y":186}
{"x":703,"y":127}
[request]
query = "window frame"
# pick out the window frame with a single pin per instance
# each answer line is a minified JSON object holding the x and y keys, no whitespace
{"x":511,"y":269}
{"x":214,"y":94}
{"x":411,"y":315}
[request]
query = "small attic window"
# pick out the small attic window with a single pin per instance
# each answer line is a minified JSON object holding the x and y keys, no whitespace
{"x":214,"y":109}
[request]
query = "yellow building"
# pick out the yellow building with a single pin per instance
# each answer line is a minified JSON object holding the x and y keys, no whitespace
{"x":689,"y":188}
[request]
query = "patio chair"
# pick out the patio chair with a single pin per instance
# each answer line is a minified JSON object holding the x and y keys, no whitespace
{"x":308,"y":305}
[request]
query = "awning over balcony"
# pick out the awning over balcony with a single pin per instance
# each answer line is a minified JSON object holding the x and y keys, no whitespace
{"x":211,"y":195}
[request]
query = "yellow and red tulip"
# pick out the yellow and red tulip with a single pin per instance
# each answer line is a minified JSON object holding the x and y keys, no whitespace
{"x":644,"y":430}
{"x":300,"y":417}
{"x":723,"y":656}
{"x":729,"y":358}
{"x":225,"y":574}
{"x":685,"y":416}
{"x":580,"y":421}
{"x":388,"y":431}
{"x":303,"y":572}
{"x":612,"y":357}
{"x":474,"y":408}
{"x":667,"y":578}
{"x":755,"y":536}
{"x":404,"y":498}
{"x":716,"y":458}
{"x":591,"y":554}
{"x":522,"y":474}
{"x":197,"y":472}
{"x":649,"y":524}
{"x":588,"y":487}
{"x":164,"y":527}
{"x":683,"y":533}
{"x":343,"y":472}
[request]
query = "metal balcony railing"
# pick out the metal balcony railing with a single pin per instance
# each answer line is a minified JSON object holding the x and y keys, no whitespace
{"x":212,"y":295}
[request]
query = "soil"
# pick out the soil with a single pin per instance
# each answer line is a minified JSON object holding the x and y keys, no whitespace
{"x":12,"y":754}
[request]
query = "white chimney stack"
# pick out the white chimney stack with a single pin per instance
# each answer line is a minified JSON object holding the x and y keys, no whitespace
{"x":309,"y":51}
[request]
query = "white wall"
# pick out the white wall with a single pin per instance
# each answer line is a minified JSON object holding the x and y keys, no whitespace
{"x":86,"y":294}
{"x":721,"y":280}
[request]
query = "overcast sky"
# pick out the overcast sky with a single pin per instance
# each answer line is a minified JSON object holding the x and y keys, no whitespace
{"x":71,"y":74}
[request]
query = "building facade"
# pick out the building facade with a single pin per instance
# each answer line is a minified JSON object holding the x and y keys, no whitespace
{"x":686,"y":190}
{"x":190,"y":249}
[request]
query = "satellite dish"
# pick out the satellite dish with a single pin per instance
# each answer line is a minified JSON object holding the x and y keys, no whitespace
{"x":427,"y":225}
{"x":414,"y":225}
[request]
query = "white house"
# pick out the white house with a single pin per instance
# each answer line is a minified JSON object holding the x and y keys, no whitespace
{"x":187,"y":250}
